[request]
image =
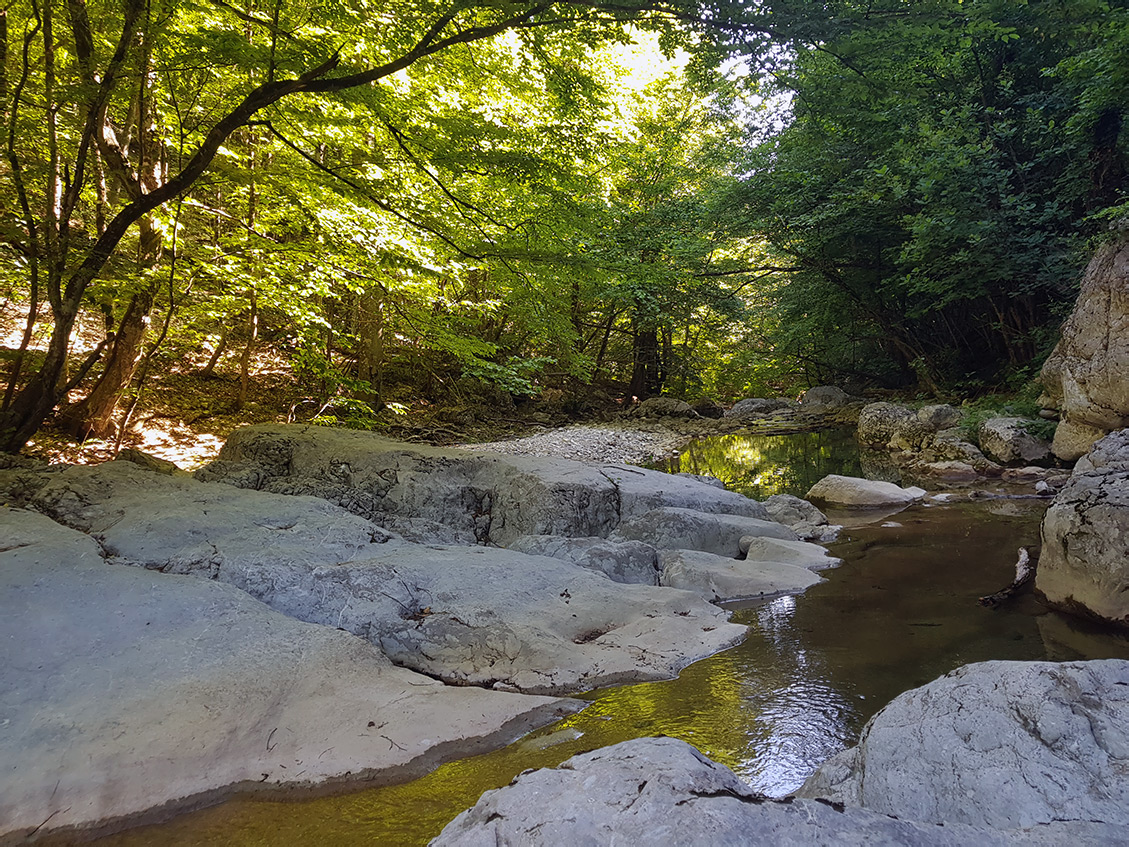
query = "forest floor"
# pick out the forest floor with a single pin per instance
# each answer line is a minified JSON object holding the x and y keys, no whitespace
{"x":184,"y":417}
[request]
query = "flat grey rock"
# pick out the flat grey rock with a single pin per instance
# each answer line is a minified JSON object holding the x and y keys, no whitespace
{"x":670,"y":528}
{"x":854,"y":491}
{"x":801,"y":553}
{"x":498,"y":618}
{"x":122,"y":690}
{"x":624,"y":561}
{"x":469,"y":615}
{"x":720,"y":578}
{"x":995,"y":744}
{"x":663,"y":792}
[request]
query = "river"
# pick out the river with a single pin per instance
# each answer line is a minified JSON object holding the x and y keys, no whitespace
{"x":900,"y":611}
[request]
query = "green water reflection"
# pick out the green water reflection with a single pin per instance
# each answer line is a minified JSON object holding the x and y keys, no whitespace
{"x":901,"y":611}
{"x":762,"y":465}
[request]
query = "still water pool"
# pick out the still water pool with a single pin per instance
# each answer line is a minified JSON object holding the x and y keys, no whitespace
{"x":901,"y":611}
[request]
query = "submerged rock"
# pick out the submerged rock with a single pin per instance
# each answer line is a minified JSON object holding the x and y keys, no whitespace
{"x":854,"y":491}
{"x":661,"y":791}
{"x":996,"y":744}
{"x":122,"y":690}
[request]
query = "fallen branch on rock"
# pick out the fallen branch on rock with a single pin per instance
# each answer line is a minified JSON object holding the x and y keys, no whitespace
{"x":1025,"y":568}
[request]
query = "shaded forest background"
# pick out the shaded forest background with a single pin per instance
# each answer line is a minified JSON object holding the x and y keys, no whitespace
{"x":409,"y":202}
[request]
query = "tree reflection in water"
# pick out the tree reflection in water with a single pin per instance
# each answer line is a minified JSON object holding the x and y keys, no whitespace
{"x":762,"y":465}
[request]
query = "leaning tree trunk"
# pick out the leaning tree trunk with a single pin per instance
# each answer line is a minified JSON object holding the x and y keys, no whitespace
{"x":93,"y":416}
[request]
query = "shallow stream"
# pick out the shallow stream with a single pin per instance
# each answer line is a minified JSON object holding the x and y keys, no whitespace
{"x":901,"y":611}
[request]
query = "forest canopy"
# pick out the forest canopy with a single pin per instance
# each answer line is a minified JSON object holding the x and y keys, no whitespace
{"x":697,"y":199}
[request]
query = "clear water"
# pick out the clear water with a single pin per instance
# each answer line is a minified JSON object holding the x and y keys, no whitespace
{"x":762,"y":465}
{"x":901,"y":611}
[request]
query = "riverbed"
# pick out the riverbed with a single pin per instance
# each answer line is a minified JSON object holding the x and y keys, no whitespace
{"x":900,"y":611}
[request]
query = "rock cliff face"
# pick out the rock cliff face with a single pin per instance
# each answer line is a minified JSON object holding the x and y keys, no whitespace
{"x":1085,"y":561}
{"x":1086,"y":377}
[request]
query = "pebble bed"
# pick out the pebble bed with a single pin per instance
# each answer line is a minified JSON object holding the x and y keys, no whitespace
{"x":590,"y":444}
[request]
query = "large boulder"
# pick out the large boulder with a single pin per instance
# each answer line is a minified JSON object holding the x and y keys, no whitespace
{"x":823,"y":398}
{"x":708,"y":408}
{"x":879,"y":423}
{"x":663,"y":407}
{"x":687,"y":529}
{"x":720,"y":578}
{"x":1084,"y":566}
{"x":855,"y":491}
{"x":655,"y":792}
{"x":445,"y":495}
{"x":929,"y":433}
{"x":996,"y":744}
{"x":1110,"y":453}
{"x":756,"y":407}
{"x":1007,"y":440}
{"x":123,"y":690}
{"x":1086,"y":376}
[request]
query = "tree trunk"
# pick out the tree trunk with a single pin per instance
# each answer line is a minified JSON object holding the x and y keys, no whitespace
{"x":645,"y":379}
{"x":245,"y":360}
{"x":370,"y":343}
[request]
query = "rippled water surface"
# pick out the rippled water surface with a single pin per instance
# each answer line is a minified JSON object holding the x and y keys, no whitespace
{"x":901,"y":611}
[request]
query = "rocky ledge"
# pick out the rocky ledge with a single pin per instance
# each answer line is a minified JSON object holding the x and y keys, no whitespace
{"x":169,"y":638}
{"x":1001,"y":753}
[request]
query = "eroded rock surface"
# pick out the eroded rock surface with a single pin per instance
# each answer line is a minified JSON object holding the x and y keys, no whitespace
{"x":1006,"y":440}
{"x":688,"y":529}
{"x":660,"y":791}
{"x":924,"y":441}
{"x":497,"y":618}
{"x":1086,"y":377}
{"x":465,"y":614}
{"x":995,"y":744}
{"x":624,"y":561}
{"x":1085,"y":560}
{"x":442,"y":495}
{"x":803,"y":518}
{"x":123,"y":689}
